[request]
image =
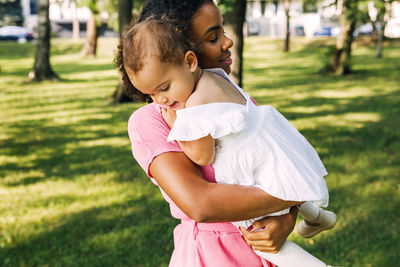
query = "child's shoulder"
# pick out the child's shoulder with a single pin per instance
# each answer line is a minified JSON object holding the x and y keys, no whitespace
{"x":207,"y":90}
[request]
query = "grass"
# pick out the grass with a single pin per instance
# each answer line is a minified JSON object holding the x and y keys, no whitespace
{"x":71,"y":194}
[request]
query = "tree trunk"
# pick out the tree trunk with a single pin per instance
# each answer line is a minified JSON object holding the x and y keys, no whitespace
{"x":379,"y":41}
{"x":381,"y":30}
{"x":287,"y":37}
{"x":125,"y":16}
{"x":341,"y":62}
{"x":124,"y":20}
{"x":75,"y":23}
{"x":42,"y":69}
{"x":234,"y":26}
{"x":92,"y":34}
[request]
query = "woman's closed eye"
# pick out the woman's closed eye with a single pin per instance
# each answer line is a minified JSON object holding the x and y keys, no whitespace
{"x":214,"y":38}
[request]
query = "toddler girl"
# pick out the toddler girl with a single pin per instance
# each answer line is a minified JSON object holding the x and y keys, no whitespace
{"x":216,"y":122}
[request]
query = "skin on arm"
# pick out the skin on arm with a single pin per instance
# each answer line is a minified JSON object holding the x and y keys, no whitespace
{"x":200,"y":151}
{"x":182,"y":180}
{"x":275,"y":230}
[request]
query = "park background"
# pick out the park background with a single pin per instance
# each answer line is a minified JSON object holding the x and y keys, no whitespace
{"x":71,"y":193}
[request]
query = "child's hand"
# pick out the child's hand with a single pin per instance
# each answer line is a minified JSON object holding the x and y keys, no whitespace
{"x":169,"y":116}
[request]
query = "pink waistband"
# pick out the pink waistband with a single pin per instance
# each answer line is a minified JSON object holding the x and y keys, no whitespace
{"x":219,"y":227}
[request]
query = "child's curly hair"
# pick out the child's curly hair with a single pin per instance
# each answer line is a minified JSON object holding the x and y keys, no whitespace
{"x":179,"y":12}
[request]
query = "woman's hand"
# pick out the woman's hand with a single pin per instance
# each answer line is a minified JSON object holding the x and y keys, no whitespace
{"x":169,"y":115}
{"x":269,"y":234}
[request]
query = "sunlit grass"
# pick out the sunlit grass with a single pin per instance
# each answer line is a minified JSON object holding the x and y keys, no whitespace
{"x":71,"y":194}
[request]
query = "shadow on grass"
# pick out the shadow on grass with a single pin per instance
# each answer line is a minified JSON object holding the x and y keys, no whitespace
{"x":115,"y":235}
{"x":362,"y":162}
{"x":358,"y":242}
{"x":58,"y":154}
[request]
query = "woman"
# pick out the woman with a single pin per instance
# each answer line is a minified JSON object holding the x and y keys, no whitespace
{"x":192,"y":193}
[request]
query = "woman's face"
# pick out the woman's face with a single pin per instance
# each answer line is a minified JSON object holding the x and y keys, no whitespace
{"x":208,"y":30}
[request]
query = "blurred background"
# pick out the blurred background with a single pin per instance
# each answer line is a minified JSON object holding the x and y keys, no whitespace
{"x":71,"y":193}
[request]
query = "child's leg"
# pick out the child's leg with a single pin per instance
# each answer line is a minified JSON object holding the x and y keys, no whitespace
{"x":315,"y":220}
{"x":291,"y":255}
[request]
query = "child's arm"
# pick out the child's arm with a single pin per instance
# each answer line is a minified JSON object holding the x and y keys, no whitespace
{"x":200,"y":151}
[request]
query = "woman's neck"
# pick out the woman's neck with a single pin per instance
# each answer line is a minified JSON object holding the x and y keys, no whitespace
{"x":197,"y":76}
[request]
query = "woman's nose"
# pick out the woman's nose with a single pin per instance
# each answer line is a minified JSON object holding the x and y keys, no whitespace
{"x":227,"y":43}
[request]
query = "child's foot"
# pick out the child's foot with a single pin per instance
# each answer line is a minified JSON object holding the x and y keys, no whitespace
{"x":325,"y":220}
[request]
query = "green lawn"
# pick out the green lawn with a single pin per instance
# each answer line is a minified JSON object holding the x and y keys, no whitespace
{"x":72,"y":195}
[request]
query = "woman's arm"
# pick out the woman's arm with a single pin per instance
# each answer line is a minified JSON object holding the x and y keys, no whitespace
{"x":182,"y":180}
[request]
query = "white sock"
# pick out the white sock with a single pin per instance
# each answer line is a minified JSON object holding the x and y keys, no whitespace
{"x":309,"y":211}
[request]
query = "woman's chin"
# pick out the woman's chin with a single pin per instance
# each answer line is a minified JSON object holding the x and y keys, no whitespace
{"x":227,"y":69}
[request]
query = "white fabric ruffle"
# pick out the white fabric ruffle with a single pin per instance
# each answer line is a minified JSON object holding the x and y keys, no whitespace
{"x":258,"y":147}
{"x":216,"y":119}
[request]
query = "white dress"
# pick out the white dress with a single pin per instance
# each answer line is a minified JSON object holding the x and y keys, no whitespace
{"x":256,"y":145}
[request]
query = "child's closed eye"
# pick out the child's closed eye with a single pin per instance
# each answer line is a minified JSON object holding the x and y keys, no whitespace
{"x":165,"y":88}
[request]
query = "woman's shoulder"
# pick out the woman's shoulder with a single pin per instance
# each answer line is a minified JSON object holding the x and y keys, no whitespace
{"x":148,"y":133}
{"x":143,"y":112}
{"x":147,"y":121}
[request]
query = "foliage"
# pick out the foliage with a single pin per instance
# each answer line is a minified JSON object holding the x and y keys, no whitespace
{"x":226,"y":6}
{"x":310,"y":6}
{"x":111,"y":7}
{"x":71,"y":194}
{"x":10,"y":13}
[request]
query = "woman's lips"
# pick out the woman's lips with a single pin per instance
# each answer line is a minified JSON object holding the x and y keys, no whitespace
{"x":227,"y":60}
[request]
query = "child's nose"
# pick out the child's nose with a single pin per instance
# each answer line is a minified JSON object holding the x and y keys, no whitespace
{"x":162,"y":99}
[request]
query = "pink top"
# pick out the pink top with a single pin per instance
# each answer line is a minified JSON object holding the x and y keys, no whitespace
{"x":196,"y":244}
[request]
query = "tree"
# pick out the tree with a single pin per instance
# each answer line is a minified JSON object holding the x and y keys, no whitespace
{"x":10,"y":13}
{"x":75,"y":22}
{"x":92,"y":30}
{"x":234,"y":12}
{"x":125,"y":17}
{"x":379,"y":14}
{"x":42,"y":69}
{"x":341,"y":60}
{"x":286,"y":4}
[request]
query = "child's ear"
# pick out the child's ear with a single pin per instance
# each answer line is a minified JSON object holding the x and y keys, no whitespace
{"x":191,"y":60}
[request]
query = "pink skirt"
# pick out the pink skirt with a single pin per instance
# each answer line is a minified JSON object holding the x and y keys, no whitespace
{"x":212,"y":244}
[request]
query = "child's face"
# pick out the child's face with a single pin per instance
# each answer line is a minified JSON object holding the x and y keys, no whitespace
{"x":167,"y":84}
{"x":208,"y":29}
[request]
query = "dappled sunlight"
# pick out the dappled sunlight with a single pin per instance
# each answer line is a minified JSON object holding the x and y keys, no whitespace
{"x":68,"y":181}
{"x":61,"y":116}
{"x":94,"y":75}
{"x":113,"y":141}
{"x":350,"y":120}
{"x":345,"y":93}
{"x":66,"y":119}
{"x":312,"y":109}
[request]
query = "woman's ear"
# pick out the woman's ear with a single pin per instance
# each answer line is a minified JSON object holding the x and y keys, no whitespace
{"x":191,"y":60}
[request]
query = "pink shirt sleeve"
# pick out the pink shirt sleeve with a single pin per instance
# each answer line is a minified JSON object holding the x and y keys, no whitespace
{"x":148,"y":134}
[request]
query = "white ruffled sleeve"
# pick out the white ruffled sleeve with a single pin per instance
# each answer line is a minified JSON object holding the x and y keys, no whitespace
{"x":216,"y":119}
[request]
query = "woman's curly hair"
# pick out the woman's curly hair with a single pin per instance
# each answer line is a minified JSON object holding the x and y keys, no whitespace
{"x":179,"y":12}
